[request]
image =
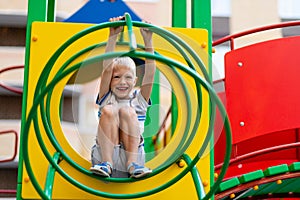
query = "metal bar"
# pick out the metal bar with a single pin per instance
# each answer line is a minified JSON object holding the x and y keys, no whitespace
{"x":179,"y":13}
{"x":196,"y":177}
{"x":261,"y":152}
{"x":36,"y":12}
{"x":50,"y":176}
{"x":132,"y":41}
{"x":178,"y":20}
{"x":9,"y":88}
{"x":51,"y":11}
{"x":255,"y":30}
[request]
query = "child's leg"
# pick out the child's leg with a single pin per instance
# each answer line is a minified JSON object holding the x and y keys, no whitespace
{"x":129,"y":133}
{"x":108,"y":132}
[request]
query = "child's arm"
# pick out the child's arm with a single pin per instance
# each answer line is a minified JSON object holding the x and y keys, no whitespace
{"x":107,"y":64}
{"x":150,"y":65}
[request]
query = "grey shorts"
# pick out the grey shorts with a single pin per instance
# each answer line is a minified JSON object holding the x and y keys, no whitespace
{"x":119,"y":157}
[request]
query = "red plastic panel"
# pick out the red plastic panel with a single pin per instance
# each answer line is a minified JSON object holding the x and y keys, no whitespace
{"x":263,"y":88}
{"x":266,"y":141}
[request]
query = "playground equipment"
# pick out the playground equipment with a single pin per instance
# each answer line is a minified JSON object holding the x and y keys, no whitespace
{"x":263,"y":109}
{"x":51,"y":169}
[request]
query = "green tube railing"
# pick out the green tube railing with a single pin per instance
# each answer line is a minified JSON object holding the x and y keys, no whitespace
{"x":114,"y":196}
{"x":40,"y":139}
{"x":195,"y":127}
{"x":69,"y":72}
{"x":65,"y":156}
{"x":43,"y":90}
{"x":196,"y":177}
{"x":46,"y":78}
{"x":50,"y":177}
{"x":132,"y":41}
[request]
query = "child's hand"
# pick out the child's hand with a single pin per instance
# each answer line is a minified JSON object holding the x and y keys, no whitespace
{"x":115,"y":30}
{"x":147,"y":36}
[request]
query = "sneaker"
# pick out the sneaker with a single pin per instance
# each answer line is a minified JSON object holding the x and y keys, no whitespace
{"x":137,"y":171}
{"x":102,"y":169}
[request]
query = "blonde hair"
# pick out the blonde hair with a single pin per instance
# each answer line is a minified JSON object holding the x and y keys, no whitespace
{"x":125,"y":62}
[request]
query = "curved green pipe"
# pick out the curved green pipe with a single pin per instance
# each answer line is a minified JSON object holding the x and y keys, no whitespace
{"x":50,"y":176}
{"x":196,"y":177}
{"x":32,"y":115}
{"x":132,"y":41}
{"x":49,"y":95}
{"x":65,"y":156}
{"x":198,"y":113}
{"x":183,"y":140}
{"x":190,"y":72}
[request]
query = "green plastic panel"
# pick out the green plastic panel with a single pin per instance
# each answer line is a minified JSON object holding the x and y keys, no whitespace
{"x":289,"y":185}
{"x":279,"y":169}
{"x":229,"y":184}
{"x":294,"y":167}
{"x":251,"y":176}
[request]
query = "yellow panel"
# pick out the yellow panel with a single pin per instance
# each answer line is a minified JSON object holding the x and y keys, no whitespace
{"x":47,"y":38}
{"x":196,"y":39}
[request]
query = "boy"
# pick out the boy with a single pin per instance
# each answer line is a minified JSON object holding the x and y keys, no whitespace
{"x":122,"y":112}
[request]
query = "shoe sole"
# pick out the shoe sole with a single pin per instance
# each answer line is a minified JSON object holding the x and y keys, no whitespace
{"x":99,"y":172}
{"x":141,"y":175}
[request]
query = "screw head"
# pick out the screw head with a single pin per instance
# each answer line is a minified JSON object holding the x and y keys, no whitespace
{"x":26,"y":179}
{"x":34,"y":38}
{"x":181,"y":163}
{"x":216,"y":175}
{"x":255,"y":187}
{"x":205,"y":183}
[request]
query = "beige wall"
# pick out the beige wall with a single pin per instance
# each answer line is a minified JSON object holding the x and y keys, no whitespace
{"x":13,"y":5}
{"x":158,"y":13}
{"x":248,"y":14}
{"x":7,"y":141}
{"x":12,"y":56}
{"x":63,"y":6}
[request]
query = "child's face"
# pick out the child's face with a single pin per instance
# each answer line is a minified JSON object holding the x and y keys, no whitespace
{"x":122,"y":82}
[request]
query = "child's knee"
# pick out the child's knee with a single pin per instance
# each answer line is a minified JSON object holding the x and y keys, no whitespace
{"x":127,"y":113}
{"x":108,"y":111}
